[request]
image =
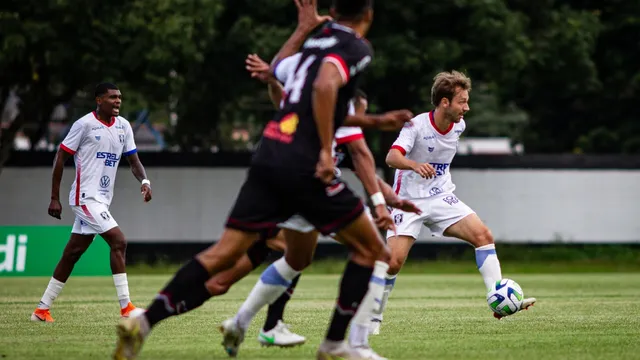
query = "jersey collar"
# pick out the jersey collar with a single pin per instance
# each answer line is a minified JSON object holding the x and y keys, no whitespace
{"x":113,"y":120}
{"x":433,"y":124}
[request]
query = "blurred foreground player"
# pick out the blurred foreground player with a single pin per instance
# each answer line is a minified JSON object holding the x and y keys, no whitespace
{"x":292,"y":172}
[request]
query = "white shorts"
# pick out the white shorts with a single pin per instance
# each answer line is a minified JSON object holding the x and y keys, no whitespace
{"x":92,"y":218}
{"x":438,"y":213}
{"x":300,"y":224}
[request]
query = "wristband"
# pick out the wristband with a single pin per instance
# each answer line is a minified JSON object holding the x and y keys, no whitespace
{"x":146,"y":182}
{"x":378,"y":199}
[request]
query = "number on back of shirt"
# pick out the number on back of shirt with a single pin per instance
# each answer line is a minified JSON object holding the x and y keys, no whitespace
{"x":293,"y":87}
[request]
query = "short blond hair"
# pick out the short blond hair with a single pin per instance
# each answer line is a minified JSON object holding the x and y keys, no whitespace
{"x":445,"y":85}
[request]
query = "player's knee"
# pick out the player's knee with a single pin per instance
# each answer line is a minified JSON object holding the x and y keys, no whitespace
{"x":118,"y":245}
{"x":395,"y":264}
{"x":217,"y":288}
{"x":482,"y":237}
{"x":72,"y":255}
{"x":298,"y":263}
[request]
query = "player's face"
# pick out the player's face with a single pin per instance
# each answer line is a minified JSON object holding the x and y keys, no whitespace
{"x":458,"y":106}
{"x":110,"y":102}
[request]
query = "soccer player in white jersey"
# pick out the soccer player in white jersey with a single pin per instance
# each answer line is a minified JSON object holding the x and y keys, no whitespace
{"x":422,"y":155}
{"x":97,"y":142}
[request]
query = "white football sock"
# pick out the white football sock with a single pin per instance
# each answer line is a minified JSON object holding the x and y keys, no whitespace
{"x":273,"y":282}
{"x":359,"y":332}
{"x":390,"y":282}
{"x":53,"y":290}
{"x":488,"y":264}
{"x":122,"y":289}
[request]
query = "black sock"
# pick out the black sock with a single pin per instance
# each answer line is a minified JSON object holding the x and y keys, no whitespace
{"x":276,"y":310}
{"x":185,"y":292}
{"x":353,"y":288}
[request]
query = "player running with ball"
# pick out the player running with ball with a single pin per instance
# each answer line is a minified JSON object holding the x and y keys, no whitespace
{"x":422,"y":155}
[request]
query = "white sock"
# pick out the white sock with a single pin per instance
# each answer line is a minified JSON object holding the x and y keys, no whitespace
{"x":273,"y":282}
{"x":488,"y":264}
{"x":122,"y":289}
{"x":359,"y":332}
{"x":390,"y":282}
{"x":53,"y":290}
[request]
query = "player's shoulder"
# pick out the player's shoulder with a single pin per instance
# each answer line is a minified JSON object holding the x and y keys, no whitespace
{"x":460,"y":127}
{"x":85,"y":119}
{"x":123,"y":122}
{"x":418,"y":122}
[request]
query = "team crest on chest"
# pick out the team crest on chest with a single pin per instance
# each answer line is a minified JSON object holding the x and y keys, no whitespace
{"x":121,"y":137}
{"x":98,"y":137}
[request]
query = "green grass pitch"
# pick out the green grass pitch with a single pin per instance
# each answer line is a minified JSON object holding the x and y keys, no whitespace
{"x":430,"y":316}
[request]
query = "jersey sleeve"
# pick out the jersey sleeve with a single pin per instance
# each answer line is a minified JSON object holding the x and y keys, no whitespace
{"x":129,"y":142}
{"x":347,"y":134}
{"x":285,"y":67}
{"x":406,"y":139}
{"x":351,"y":59}
{"x":72,"y":141}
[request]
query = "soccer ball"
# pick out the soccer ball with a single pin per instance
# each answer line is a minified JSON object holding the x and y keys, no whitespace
{"x":505,"y":297}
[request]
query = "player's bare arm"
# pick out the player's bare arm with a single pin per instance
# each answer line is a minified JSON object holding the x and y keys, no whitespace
{"x":324,"y":97}
{"x":394,"y":201}
{"x":308,"y":19}
{"x":389,"y":121}
{"x":365,"y":169}
{"x":139,"y":173}
{"x":396,"y":160}
{"x":55,"y":208}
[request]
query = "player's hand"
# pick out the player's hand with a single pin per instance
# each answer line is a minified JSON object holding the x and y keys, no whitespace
{"x":55,"y":209}
{"x":394,"y":120}
{"x":145,"y":190}
{"x":425,"y":170}
{"x":308,"y":17}
{"x":258,"y":68}
{"x":383,"y":218}
{"x":325,"y":167}
{"x":405,"y":205}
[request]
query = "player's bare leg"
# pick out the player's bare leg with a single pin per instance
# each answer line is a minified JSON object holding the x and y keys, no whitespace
{"x":272,"y":284}
{"x":221,"y":282}
{"x":185,"y":292}
{"x":474,"y":231}
{"x":117,"y":255}
{"x":366,"y":248}
{"x":74,"y":249}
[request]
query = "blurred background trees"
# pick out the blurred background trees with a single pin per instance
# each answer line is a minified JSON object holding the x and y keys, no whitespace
{"x":553,"y":76}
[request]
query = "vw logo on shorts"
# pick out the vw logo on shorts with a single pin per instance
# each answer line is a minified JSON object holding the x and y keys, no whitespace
{"x":105,"y":181}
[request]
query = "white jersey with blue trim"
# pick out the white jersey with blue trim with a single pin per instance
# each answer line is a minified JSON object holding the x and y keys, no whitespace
{"x":97,"y":148}
{"x":421,"y":141}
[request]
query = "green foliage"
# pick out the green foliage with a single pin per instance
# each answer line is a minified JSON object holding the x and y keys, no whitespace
{"x":559,"y":76}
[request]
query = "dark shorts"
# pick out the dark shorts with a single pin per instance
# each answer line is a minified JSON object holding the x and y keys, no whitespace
{"x":270,"y":196}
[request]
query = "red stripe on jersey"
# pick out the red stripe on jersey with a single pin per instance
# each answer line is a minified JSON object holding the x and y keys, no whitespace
{"x":71,"y":152}
{"x":113,"y":119}
{"x":85,"y":209}
{"x":337,"y":60}
{"x":349,"y":138}
{"x":78,"y":169}
{"x":400,"y":148}
{"x":433,"y":123}
{"x":399,"y":181}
